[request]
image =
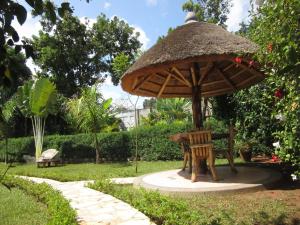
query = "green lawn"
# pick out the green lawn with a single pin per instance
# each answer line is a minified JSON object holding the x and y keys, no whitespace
{"x":87,"y":171}
{"x":18,"y":208}
{"x":256,"y":208}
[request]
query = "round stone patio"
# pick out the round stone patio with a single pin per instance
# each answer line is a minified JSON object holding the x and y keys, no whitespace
{"x":178,"y":182}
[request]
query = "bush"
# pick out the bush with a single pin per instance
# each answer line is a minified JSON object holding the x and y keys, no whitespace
{"x":73,"y":148}
{"x":154,"y":143}
{"x":59,"y":208}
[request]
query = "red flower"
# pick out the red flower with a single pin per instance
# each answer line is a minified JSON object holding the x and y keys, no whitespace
{"x":274,"y":158}
{"x":251,"y":63}
{"x":278,"y":93}
{"x":238,"y":60}
{"x":270,"y":47}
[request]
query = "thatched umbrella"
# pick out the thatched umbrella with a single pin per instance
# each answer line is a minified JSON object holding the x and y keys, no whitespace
{"x":196,"y":59}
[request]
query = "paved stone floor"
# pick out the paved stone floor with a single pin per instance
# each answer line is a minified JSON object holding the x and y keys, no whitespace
{"x":94,"y":207}
{"x":179,"y":182}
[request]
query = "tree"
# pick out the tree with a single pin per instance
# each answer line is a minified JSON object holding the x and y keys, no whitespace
{"x":77,"y":56}
{"x":169,"y":110}
{"x":67,"y":56}
{"x":275,"y":28}
{"x":90,"y":113}
{"x":119,"y":66}
{"x":36,"y":100}
{"x":12,"y":9}
{"x":212,"y":11}
{"x":112,"y":38}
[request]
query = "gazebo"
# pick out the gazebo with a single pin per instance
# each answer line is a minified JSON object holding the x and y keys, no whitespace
{"x":195,"y":60}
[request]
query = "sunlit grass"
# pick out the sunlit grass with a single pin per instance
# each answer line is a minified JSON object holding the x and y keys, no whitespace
{"x":88,"y":171}
{"x":18,"y":208}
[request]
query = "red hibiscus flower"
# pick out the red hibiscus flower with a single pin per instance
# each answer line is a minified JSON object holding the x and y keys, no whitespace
{"x":275,"y":158}
{"x":238,"y":59}
{"x":278,"y":93}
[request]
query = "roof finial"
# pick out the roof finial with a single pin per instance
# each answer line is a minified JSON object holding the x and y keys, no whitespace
{"x":190,"y":17}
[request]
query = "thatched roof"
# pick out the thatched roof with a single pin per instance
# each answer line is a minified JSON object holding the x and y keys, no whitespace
{"x":169,"y":63}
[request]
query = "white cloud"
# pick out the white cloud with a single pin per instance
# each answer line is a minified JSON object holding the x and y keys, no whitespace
{"x":107,"y":5}
{"x":143,"y":38}
{"x":29,"y":28}
{"x":238,"y":13}
{"x":88,"y":21}
{"x":151,"y":2}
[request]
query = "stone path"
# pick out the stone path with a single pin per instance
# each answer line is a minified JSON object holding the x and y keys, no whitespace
{"x":94,"y":207}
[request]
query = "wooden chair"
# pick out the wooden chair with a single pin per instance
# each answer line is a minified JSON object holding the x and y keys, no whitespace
{"x":202,"y":148}
{"x":187,"y":154}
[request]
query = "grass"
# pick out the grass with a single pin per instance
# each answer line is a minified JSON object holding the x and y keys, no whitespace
{"x":91,"y":171}
{"x":18,"y":208}
{"x":208,"y":209}
{"x":236,"y":209}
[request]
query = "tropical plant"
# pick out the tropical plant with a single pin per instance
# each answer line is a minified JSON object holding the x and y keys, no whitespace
{"x":275,"y":103}
{"x":76,"y":56}
{"x":36,"y":100}
{"x":90,"y":113}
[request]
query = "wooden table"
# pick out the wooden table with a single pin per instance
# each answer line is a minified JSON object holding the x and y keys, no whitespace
{"x":183,"y":137}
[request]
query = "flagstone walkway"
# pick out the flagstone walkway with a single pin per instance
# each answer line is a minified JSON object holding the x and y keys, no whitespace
{"x":94,"y":207}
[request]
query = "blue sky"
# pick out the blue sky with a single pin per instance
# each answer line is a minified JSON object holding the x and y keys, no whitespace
{"x":151,"y":18}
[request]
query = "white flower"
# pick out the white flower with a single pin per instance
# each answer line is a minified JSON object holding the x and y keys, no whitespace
{"x":280,"y":117}
{"x":294,"y":177}
{"x":276,"y":144}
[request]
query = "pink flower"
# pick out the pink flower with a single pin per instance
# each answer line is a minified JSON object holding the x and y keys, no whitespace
{"x":251,"y":63}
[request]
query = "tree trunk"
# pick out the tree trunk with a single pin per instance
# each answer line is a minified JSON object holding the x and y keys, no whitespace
{"x":97,"y":147}
{"x":6,"y":152}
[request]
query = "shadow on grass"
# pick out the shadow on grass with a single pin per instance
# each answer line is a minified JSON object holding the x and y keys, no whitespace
{"x":265,"y":219}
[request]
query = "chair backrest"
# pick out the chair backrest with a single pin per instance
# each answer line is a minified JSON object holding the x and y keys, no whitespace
{"x":200,"y":137}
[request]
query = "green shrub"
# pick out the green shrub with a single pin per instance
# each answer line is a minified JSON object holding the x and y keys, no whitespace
{"x":160,"y":209}
{"x":59,"y":208}
{"x":154,"y":143}
{"x":73,"y":148}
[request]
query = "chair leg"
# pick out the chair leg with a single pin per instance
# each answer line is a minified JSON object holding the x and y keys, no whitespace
{"x":190,"y":162}
{"x":185,"y":159}
{"x":212,"y":165}
{"x":195,"y":171}
{"x":231,"y":162}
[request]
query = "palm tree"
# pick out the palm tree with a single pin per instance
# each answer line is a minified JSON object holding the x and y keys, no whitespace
{"x":174,"y":108}
{"x":89,"y":113}
{"x":36,"y":100}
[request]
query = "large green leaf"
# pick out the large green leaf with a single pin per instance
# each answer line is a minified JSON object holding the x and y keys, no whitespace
{"x":23,"y":94}
{"x":43,"y":98}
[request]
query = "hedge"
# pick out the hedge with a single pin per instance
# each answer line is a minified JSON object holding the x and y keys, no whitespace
{"x":73,"y":148}
{"x":59,"y":208}
{"x":153,"y":144}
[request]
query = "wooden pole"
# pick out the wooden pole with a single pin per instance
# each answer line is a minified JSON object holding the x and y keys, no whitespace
{"x":197,"y":111}
{"x":196,"y":99}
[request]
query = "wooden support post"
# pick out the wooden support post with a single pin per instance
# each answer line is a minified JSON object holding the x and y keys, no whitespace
{"x":197,"y":109}
{"x":196,"y":99}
